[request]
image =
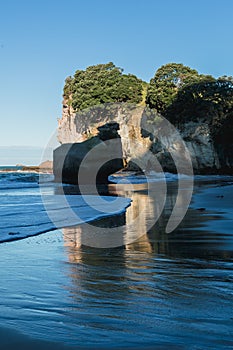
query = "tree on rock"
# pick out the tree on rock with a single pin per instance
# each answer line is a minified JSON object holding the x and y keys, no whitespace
{"x":102,"y":83}
{"x":168,"y":80}
{"x":207,"y":101}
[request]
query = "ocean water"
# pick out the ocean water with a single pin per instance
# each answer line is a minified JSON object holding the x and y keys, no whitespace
{"x":152,"y":291}
{"x":31,"y":203}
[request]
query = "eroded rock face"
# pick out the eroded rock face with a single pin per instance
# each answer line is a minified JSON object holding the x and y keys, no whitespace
{"x":141,"y":139}
{"x":197,"y":137}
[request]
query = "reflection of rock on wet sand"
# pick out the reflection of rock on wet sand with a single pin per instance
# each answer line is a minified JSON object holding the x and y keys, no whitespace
{"x":73,"y":242}
{"x":133,"y":225}
{"x":141,"y":227}
{"x":188,"y":240}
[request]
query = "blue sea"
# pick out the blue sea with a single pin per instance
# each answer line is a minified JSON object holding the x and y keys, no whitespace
{"x":31,"y":203}
{"x":145,"y":289}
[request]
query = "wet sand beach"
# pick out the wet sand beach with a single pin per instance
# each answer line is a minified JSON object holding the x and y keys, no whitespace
{"x":163,"y":291}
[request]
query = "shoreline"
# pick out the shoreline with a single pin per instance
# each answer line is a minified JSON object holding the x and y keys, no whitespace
{"x":56,"y":215}
{"x":210,"y":198}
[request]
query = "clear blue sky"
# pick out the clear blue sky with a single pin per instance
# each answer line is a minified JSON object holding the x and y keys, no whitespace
{"x":42,"y":42}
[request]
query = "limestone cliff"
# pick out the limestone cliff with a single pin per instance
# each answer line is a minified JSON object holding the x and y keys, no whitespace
{"x":141,"y":138}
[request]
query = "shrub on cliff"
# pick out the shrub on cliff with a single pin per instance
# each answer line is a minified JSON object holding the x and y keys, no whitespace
{"x":210,"y":101}
{"x":102,"y":83}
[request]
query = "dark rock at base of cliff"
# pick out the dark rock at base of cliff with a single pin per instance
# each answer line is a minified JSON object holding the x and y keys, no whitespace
{"x":91,"y":161}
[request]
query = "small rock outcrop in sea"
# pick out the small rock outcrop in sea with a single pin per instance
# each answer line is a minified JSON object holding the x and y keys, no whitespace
{"x":44,"y":167}
{"x":92,"y":160}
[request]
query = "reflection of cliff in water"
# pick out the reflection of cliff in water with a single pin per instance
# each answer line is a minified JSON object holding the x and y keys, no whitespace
{"x":110,"y":276}
{"x":120,"y":230}
{"x":138,"y":229}
{"x":142,"y":228}
{"x":105,"y":271}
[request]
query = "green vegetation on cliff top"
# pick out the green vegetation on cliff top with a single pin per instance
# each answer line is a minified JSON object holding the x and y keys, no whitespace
{"x":103,"y":83}
{"x":176,"y":91}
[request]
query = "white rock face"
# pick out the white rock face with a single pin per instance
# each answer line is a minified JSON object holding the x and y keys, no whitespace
{"x":67,"y":127}
{"x":200,"y":145}
{"x":139,"y":147}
